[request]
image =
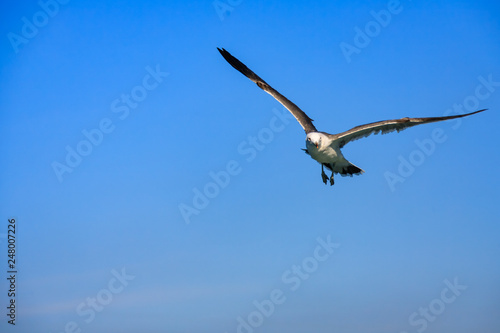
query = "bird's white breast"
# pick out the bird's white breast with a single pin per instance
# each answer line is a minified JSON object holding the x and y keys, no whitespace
{"x":324,"y":153}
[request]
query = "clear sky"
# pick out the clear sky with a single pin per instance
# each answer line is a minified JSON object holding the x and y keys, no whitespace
{"x":156,"y":189}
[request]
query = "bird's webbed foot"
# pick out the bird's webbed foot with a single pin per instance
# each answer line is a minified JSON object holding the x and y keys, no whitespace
{"x":331,"y":180}
{"x":323,"y":175}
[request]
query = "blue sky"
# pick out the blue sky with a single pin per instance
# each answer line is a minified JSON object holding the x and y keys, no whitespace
{"x":115,"y":116}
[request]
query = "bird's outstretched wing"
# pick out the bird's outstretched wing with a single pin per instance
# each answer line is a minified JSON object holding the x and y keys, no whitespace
{"x":387,"y":126}
{"x":301,"y":117}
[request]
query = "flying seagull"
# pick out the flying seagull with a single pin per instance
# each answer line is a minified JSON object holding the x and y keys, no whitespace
{"x":325,"y":147}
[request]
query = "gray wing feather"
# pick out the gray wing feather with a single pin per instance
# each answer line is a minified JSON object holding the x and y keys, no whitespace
{"x":301,"y":117}
{"x":387,"y":126}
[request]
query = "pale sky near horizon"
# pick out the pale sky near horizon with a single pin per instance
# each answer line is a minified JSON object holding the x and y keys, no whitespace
{"x":156,"y":189}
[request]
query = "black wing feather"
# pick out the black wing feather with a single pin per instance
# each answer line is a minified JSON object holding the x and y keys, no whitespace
{"x":387,"y":126}
{"x":300,"y":115}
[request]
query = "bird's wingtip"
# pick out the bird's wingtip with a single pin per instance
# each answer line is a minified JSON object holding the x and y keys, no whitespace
{"x":478,"y":111}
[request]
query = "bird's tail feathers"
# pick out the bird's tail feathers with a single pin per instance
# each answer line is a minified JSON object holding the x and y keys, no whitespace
{"x":346,"y":168}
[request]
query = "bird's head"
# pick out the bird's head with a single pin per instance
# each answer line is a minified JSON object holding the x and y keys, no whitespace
{"x":313,"y":140}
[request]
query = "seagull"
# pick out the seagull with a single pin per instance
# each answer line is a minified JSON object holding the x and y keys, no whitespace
{"x":324,"y":147}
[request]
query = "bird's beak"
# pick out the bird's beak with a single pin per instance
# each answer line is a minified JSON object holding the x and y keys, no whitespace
{"x":316,"y":145}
